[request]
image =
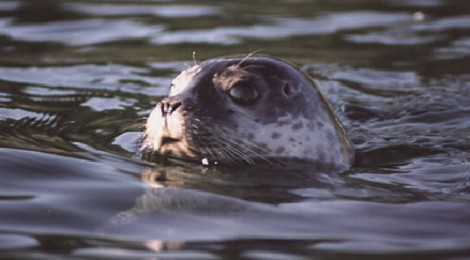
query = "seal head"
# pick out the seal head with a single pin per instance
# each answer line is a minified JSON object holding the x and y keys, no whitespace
{"x":248,"y":111}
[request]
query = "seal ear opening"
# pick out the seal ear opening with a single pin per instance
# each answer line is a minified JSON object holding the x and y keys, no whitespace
{"x":286,"y":88}
{"x":169,"y":105}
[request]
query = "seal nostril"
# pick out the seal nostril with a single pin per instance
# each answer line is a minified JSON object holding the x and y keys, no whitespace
{"x":167,"y":106}
{"x":174,"y":106}
{"x":162,"y":108}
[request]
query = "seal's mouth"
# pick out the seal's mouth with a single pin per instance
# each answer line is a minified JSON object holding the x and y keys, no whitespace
{"x":168,"y":141}
{"x":176,"y":147}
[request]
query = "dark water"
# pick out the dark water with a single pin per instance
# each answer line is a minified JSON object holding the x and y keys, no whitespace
{"x":78,"y":78}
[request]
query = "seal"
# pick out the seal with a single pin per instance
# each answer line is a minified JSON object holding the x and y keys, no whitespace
{"x":247,"y":111}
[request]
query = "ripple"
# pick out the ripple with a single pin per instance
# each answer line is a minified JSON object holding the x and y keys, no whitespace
{"x":413,"y":33}
{"x":13,"y":197}
{"x":393,"y":37}
{"x":101,"y":104}
{"x":176,"y":66}
{"x":379,"y":82}
{"x":45,"y":91}
{"x":108,"y":77}
{"x":419,"y":3}
{"x":456,"y":50}
{"x":429,"y":180}
{"x":170,"y":11}
{"x":381,"y":78}
{"x":14,"y":241}
{"x":9,"y":5}
{"x":16,"y":114}
{"x":78,"y":33}
{"x":128,"y":141}
{"x":459,"y":22}
{"x":155,"y":252}
{"x":282,"y":28}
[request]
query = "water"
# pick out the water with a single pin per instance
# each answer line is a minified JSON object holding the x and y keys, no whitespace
{"x":78,"y":78}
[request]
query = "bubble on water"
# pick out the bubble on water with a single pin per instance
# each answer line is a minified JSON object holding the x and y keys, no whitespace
{"x":418,"y":16}
{"x":205,"y":161}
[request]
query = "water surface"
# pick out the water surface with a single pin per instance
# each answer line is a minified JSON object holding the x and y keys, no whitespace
{"x":78,"y":79}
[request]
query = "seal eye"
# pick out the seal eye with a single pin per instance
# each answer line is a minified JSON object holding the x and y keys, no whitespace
{"x":243,"y":93}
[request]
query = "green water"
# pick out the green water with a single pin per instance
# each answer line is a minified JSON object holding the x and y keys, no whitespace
{"x":78,"y":79}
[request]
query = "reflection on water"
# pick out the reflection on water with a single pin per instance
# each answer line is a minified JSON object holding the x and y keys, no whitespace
{"x":78,"y":79}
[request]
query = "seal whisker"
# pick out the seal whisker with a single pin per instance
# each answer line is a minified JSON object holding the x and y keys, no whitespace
{"x":228,"y":155}
{"x":214,"y":153}
{"x":249,"y":55}
{"x":233,"y":150}
{"x":239,"y":153}
{"x":219,"y":152}
{"x":231,"y":153}
{"x":194,"y":58}
{"x":243,"y":147}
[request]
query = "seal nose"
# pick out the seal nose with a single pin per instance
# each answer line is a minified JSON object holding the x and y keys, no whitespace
{"x":169,"y":105}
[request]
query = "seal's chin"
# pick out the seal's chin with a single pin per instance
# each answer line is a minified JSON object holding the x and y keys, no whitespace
{"x":176,"y":148}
